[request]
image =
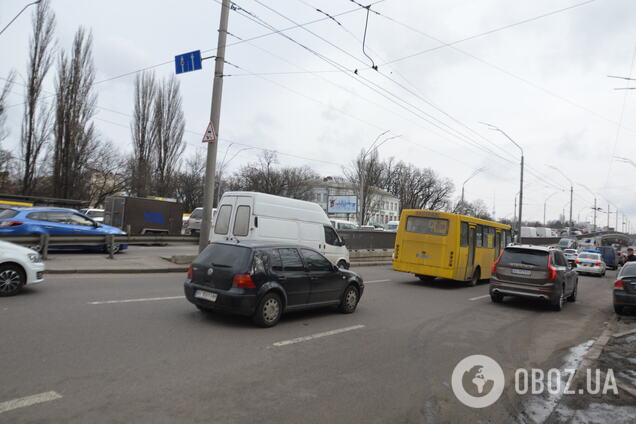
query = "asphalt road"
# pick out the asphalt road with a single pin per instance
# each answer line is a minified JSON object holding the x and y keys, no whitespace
{"x":85,"y":356}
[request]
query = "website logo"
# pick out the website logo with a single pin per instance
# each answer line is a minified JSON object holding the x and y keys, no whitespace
{"x":478,"y":381}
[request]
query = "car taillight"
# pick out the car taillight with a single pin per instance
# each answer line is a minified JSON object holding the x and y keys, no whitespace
{"x":10,"y":223}
{"x":619,"y":285}
{"x":243,"y":281}
{"x":551,"y":269}
{"x":597,"y":264}
{"x":190,"y":272}
{"x":577,"y":261}
{"x":493,"y":268}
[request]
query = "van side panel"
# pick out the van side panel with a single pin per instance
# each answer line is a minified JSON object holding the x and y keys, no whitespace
{"x":277,"y":229}
{"x":311,"y":234}
{"x":289,"y":209}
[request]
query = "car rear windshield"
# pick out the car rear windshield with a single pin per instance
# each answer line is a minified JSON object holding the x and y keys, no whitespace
{"x":537,"y":258}
{"x":226,"y":256}
{"x":629,"y":270}
{"x":197,"y":213}
{"x":7,"y":213}
{"x":424,"y":225}
{"x":589,"y":256}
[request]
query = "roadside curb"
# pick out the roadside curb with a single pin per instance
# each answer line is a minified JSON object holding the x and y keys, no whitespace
{"x":117,"y":270}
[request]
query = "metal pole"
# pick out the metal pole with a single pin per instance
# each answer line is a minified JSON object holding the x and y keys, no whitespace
{"x":608,"y":215}
{"x":215,"y":115}
{"x":571,"y":196}
{"x":520,"y":196}
{"x":544,"y":203}
{"x":595,"y":214}
{"x":462,"y":201}
{"x":616,"y":227}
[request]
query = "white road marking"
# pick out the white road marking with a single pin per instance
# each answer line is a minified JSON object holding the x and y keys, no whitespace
{"x":376,"y":281}
{"x":318,"y":335}
{"x":146,"y":299}
{"x":479,"y":297}
{"x":28,"y":401}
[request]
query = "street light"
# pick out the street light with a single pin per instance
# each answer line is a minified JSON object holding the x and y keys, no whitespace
{"x":545,"y":203}
{"x":16,"y":16}
{"x":495,"y":128}
{"x":224,"y":163}
{"x":475,"y":172}
{"x":571,"y":191}
{"x":372,"y":147}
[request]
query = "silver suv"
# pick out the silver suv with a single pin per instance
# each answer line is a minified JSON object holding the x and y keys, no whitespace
{"x":536,"y":272}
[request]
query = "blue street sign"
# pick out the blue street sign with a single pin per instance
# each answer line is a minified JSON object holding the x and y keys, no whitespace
{"x":188,"y":62}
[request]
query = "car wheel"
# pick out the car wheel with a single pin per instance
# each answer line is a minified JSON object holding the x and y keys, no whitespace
{"x":496,"y":297}
{"x":475,"y":279}
{"x":269,"y":310}
{"x":349,"y":300}
{"x":116,"y":249}
{"x":558,"y":303}
{"x":343,"y":264}
{"x":572,"y":297}
{"x":619,"y":309}
{"x":12,"y":279}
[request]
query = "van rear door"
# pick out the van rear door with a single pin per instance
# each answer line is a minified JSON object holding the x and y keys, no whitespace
{"x":222,"y":224}
{"x":242,"y":218}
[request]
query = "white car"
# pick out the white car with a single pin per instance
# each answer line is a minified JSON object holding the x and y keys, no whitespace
{"x":96,"y":214}
{"x":590,"y":263}
{"x":19,"y":266}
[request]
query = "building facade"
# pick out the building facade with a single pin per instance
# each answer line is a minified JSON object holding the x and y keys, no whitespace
{"x":388,"y":206}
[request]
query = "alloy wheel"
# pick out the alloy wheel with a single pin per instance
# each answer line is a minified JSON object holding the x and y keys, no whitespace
{"x":10,"y":281}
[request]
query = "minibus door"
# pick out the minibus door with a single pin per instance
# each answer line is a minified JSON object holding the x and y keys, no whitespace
{"x":472,"y":239}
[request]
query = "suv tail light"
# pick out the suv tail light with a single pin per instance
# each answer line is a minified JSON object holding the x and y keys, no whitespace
{"x":619,"y":285}
{"x":243,"y":281}
{"x":493,"y":268}
{"x":10,"y":223}
{"x":190,"y":272}
{"x":553,"y":273}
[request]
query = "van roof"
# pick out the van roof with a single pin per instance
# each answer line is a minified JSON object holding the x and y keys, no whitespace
{"x":255,"y":244}
{"x":283,"y":207}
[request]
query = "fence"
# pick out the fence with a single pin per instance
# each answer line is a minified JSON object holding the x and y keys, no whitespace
{"x":110,"y":242}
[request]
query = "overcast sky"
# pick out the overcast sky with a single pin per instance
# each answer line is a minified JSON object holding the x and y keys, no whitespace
{"x":543,"y":82}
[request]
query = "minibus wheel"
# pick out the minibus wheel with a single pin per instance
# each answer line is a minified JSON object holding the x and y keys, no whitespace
{"x":475,"y":279}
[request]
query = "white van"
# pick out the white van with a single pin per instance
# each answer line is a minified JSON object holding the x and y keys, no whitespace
{"x":244,"y":215}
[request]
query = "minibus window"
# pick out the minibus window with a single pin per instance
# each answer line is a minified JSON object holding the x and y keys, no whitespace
{"x":223,"y":220}
{"x":242,"y":221}
{"x":480,"y":235}
{"x":463,"y":234}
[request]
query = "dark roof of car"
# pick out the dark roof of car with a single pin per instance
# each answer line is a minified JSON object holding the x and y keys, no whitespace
{"x":262,"y":244}
{"x":530,"y":247}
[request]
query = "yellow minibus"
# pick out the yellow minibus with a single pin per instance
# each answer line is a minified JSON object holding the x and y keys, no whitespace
{"x":433,"y":244}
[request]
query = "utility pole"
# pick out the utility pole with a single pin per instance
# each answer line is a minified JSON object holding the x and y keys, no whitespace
{"x":215,"y":115}
{"x":608,"y":215}
{"x":571,"y":197}
{"x":594,"y":215}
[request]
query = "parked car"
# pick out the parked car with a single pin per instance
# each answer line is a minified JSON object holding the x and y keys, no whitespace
{"x":570,"y":255}
{"x":534,"y":272}
{"x":193,"y":227}
{"x":392,"y":226}
{"x":264,"y":280}
{"x":55,"y":221}
{"x":244,"y":215}
{"x":96,"y":214}
{"x":610,"y":257}
{"x":19,"y":266}
{"x":624,"y":293}
{"x":590,"y":263}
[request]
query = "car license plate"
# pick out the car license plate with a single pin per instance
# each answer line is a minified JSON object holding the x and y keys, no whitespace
{"x":520,"y":271}
{"x":200,"y":294}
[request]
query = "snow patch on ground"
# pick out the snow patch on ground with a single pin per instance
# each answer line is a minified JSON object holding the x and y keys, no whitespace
{"x":538,"y":408}
{"x":602,"y":413}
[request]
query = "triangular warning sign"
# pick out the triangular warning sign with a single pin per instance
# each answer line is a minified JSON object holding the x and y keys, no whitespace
{"x":210,"y":134}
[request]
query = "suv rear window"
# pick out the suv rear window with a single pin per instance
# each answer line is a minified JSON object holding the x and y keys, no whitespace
{"x":7,"y":213}
{"x":238,"y":258}
{"x":537,"y":258}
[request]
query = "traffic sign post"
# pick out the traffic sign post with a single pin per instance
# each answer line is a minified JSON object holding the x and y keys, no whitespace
{"x":187,"y":62}
{"x":210,"y":135}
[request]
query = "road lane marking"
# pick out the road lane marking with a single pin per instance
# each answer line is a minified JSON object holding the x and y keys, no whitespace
{"x":318,"y":335}
{"x":479,"y":297}
{"x":145,"y":299}
{"x":376,"y":281}
{"x":28,"y":401}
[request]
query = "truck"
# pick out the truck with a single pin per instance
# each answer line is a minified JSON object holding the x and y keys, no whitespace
{"x":139,"y":216}
{"x":544,"y":232}
{"x":528,"y":232}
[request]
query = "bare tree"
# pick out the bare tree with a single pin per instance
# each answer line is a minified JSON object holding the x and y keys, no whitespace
{"x":190,"y":181}
{"x":36,"y":125}
{"x":477,"y":208}
{"x":366,"y":174}
{"x":168,"y":127}
{"x":266,"y":177}
{"x":3,"y":105}
{"x":105,"y":174}
{"x":142,"y":133}
{"x":75,"y":136}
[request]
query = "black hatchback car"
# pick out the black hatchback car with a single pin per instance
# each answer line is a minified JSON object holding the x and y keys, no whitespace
{"x":265,"y":280}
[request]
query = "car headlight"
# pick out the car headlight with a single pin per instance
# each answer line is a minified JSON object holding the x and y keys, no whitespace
{"x":35,"y":257}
